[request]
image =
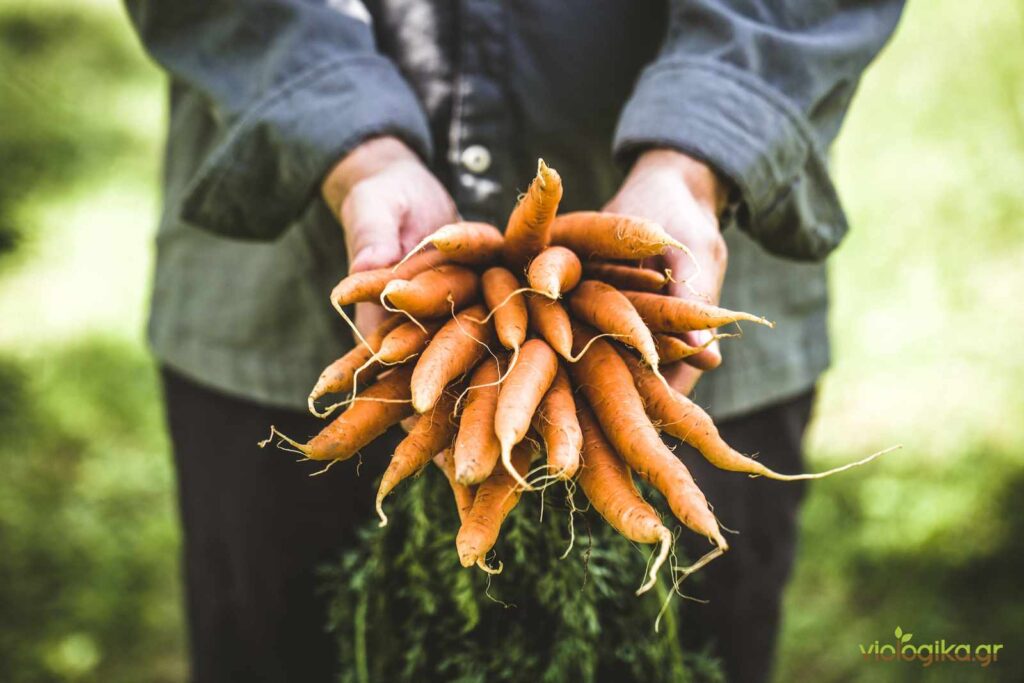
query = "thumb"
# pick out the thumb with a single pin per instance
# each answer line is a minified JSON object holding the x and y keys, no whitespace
{"x":371,"y":231}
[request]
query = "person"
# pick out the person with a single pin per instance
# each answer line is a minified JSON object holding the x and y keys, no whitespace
{"x":394,"y":117}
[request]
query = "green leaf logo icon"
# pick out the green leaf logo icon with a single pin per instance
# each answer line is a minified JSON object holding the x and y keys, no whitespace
{"x":899,"y":633}
{"x":906,"y":637}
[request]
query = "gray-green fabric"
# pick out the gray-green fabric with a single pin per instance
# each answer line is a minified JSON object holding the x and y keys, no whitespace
{"x":267,"y":95}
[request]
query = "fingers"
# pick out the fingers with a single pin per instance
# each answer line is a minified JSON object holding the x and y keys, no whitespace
{"x":372,"y":223}
{"x":436,"y":210}
{"x":709,"y":358}
{"x":369,"y":317}
{"x":681,"y":377}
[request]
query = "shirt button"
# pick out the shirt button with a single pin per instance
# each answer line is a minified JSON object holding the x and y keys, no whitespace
{"x":476,"y":158}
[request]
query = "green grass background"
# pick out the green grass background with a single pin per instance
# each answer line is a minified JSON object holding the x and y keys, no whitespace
{"x":927,"y":322}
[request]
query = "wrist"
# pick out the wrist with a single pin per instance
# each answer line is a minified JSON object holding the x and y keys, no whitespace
{"x":368,"y":158}
{"x":706,"y":187}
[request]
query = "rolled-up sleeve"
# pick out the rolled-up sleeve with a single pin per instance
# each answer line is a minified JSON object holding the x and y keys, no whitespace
{"x":293,"y":86}
{"x":758,"y":90}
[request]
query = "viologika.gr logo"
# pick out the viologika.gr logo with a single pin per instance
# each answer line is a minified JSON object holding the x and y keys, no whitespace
{"x":927,"y":654}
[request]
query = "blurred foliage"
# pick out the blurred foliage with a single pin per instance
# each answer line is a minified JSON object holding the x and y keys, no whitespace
{"x":404,"y":609}
{"x":927,"y":335}
{"x":89,"y":588}
{"x":88,"y":583}
{"x":926,"y":323}
{"x":68,"y":78}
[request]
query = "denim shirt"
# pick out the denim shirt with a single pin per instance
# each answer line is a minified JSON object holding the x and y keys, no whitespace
{"x":267,"y":95}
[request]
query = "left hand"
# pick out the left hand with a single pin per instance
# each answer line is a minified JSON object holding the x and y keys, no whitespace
{"x":685,"y":197}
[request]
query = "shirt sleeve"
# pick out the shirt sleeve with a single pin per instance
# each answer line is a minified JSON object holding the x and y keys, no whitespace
{"x":758,"y":89}
{"x":293,"y":85}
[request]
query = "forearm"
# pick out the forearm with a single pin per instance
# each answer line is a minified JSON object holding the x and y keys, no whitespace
{"x":757,"y":90}
{"x":293,"y":87}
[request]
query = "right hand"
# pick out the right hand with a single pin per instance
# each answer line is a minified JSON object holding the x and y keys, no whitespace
{"x":387,"y":201}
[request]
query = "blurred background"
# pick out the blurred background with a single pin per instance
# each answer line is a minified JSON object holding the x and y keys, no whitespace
{"x":927,"y":322}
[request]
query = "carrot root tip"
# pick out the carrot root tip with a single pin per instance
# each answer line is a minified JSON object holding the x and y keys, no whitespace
{"x":493,"y":571}
{"x":659,"y":560}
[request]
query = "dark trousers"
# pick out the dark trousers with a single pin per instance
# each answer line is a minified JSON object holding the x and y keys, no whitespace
{"x":743,"y":588}
{"x":255,"y":528}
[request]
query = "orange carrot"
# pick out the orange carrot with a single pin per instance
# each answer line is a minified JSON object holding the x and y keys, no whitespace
{"x":339,"y":377}
{"x":672,"y":349}
{"x":368,"y":284}
{"x":379,"y":407}
{"x":463,"y":494}
{"x":494,"y":499}
{"x":432,"y":433}
{"x":595,"y":234}
{"x":608,"y":485}
{"x":550,"y":320}
{"x":468,"y":243}
{"x":430,"y":294}
{"x":626,"y":277}
{"x":677,"y":415}
{"x":476,"y":446}
{"x":529,"y":226}
{"x":509,"y":309}
{"x":520,"y":394}
{"x":406,"y":340}
{"x":608,"y":386}
{"x":554,"y":271}
{"x":558,"y":427}
{"x":672,"y":314}
{"x":606,"y":308}
{"x":455,"y":350}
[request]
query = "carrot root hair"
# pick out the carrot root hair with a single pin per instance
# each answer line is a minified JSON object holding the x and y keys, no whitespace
{"x":508,"y":297}
{"x":685,"y":572}
{"x":296,"y":447}
{"x":348,"y":321}
{"x":390,"y":309}
{"x":586,"y":347}
{"x":506,"y":461}
{"x":659,"y":559}
{"x":772,"y":474}
{"x":493,"y":571}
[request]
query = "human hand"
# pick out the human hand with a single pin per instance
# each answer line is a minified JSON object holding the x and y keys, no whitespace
{"x":387,"y":201}
{"x":685,"y":197}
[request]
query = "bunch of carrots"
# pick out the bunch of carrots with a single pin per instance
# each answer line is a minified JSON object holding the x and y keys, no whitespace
{"x":540,"y":345}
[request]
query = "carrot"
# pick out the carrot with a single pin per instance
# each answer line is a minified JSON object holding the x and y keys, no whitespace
{"x":529,"y":226}
{"x":509,"y":308}
{"x":340,"y":376}
{"x":606,"y":308}
{"x":595,"y":234}
{"x":494,"y":499}
{"x":455,"y":350}
{"x":432,"y":433}
{"x":608,"y":386}
{"x":626,"y":277}
{"x":609,"y":487}
{"x":368,"y":284}
{"x":468,"y":243}
{"x":381,"y":406}
{"x":677,"y":415}
{"x":550,"y":320}
{"x":554,"y":271}
{"x":558,"y":427}
{"x":520,"y":394}
{"x":463,"y":494}
{"x":429,"y":294}
{"x":672,"y":348}
{"x":406,"y":340}
{"x":672,"y":314}
{"x":476,"y":446}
